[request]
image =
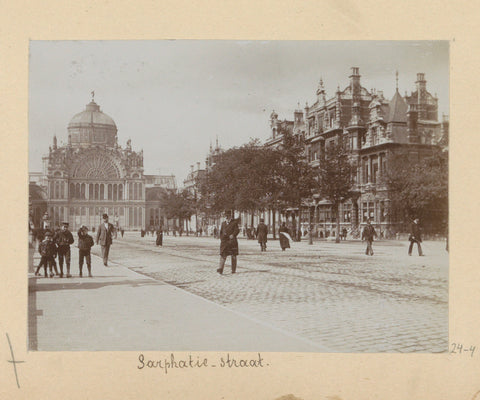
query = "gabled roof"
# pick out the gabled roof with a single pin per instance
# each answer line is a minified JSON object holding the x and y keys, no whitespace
{"x":398,"y":109}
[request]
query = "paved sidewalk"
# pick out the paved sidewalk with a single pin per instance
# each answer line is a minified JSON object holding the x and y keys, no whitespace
{"x":119,"y":309}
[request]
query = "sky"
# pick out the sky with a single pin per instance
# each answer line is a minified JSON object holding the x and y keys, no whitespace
{"x":174,"y":98}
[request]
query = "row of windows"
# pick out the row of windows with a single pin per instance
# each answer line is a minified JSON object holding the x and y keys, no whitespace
{"x":97,"y":191}
{"x":59,"y":215}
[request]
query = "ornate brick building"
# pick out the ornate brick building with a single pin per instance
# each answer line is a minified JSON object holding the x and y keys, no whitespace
{"x":92,"y":175}
{"x":374,"y":128}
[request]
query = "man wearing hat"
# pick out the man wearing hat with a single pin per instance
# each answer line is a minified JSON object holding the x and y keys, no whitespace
{"x":228,"y":241}
{"x":262,"y":232}
{"x":104,"y":237}
{"x":63,"y":239}
{"x":415,"y":237}
{"x":368,"y":234}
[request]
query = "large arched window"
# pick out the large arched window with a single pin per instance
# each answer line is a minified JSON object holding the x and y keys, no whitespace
{"x":130,"y":191}
{"x":96,"y":192}
{"x":102,"y":191}
{"x":82,"y":191}
{"x":62,"y":190}
{"x":115,"y":193}
{"x":90,"y":191}
{"x":77,"y":191}
{"x":110,"y":191}
{"x":120,"y":192}
{"x":57,"y":190}
{"x":72,"y":191}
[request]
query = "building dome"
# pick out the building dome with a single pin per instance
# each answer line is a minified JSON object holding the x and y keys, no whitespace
{"x":91,"y":127}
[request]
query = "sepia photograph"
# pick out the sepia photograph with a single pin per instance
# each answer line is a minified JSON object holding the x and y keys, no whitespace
{"x":238,"y":196}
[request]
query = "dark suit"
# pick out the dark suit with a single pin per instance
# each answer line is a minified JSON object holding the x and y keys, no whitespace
{"x":415,"y":237}
{"x":262,"y":232}
{"x":104,"y":238}
{"x":228,"y":245}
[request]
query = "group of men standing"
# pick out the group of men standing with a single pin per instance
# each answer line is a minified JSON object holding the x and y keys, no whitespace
{"x":58,"y":243}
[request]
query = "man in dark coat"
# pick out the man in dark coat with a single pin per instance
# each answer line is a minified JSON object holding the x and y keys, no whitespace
{"x":415,"y":237}
{"x":104,"y":237}
{"x":228,"y":242}
{"x":368,"y":234}
{"x":262,"y":232}
{"x":64,"y":238}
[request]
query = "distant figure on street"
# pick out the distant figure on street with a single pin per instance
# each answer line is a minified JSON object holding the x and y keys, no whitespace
{"x":122,"y":231}
{"x":368,"y":234}
{"x":284,"y":237}
{"x":344,"y":233}
{"x":159,"y":241}
{"x":85,"y":243}
{"x":104,"y":237}
{"x":262,"y":232}
{"x":415,"y":237}
{"x":63,"y":239}
{"x":48,"y":250}
{"x":228,"y":242}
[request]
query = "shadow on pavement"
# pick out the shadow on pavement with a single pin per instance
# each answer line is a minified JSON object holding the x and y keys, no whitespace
{"x":86,"y":283}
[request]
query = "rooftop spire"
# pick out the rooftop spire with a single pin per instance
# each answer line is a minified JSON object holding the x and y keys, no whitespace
{"x":93,"y":95}
{"x":396,"y":80}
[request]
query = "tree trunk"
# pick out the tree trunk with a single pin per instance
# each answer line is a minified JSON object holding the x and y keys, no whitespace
{"x":337,"y":239}
{"x":273,"y":224}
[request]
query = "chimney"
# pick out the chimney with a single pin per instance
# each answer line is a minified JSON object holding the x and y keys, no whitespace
{"x":412,"y":118}
{"x":421,"y":95}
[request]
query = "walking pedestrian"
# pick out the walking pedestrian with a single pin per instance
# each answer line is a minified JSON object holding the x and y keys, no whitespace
{"x":63,"y":239}
{"x":262,"y":232}
{"x":368,"y":234}
{"x":85,"y":243}
{"x":228,"y":242}
{"x":284,"y":237}
{"x":415,"y":237}
{"x":104,"y":237}
{"x":122,"y":231}
{"x":159,"y":241}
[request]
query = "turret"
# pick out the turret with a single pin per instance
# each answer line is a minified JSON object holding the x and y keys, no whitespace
{"x":321,"y":95}
{"x":355,"y":84}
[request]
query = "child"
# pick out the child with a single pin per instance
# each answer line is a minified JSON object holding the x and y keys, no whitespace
{"x":48,"y":251}
{"x":85,"y":243}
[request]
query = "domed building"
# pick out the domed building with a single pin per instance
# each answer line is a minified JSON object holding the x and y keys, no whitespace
{"x":92,"y":175}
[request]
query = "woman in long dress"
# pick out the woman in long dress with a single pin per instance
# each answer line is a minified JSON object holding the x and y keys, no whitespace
{"x":284,"y":237}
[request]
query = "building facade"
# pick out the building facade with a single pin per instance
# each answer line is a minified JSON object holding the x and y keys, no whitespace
{"x":374,"y":128}
{"x":92,"y":174}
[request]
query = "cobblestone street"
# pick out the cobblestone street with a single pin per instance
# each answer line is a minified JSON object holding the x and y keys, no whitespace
{"x":330,"y":294}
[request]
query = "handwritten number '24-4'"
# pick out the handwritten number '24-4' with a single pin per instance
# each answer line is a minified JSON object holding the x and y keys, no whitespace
{"x":458,"y":348}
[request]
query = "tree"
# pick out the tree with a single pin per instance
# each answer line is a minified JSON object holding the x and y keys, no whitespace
{"x":178,"y":205}
{"x":294,"y":178}
{"x":335,"y":177}
{"x":238,"y":180}
{"x":418,"y":187}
